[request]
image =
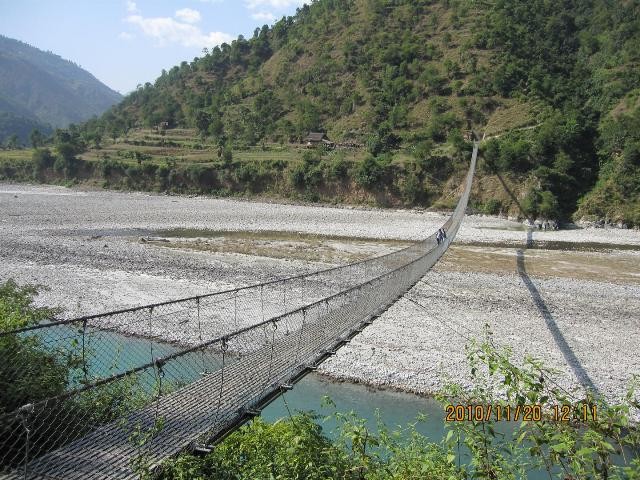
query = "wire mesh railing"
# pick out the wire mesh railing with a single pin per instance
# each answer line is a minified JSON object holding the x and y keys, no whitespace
{"x":99,"y":396}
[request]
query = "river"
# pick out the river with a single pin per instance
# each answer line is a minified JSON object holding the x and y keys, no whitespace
{"x":112,"y":353}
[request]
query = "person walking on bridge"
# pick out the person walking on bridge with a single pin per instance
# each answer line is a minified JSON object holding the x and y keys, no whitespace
{"x":441,"y":235}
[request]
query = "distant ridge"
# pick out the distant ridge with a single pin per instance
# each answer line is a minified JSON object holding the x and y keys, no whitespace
{"x":42,"y":90}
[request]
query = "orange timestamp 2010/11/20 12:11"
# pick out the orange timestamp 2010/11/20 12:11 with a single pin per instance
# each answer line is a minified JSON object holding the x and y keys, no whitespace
{"x":519,"y":413}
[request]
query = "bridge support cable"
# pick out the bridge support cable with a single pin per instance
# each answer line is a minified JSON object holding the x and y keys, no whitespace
{"x":250,"y":342}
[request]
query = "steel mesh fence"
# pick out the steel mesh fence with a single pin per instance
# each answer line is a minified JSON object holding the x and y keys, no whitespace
{"x":117,"y":394}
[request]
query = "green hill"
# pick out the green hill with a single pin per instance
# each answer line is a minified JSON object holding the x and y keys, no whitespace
{"x":41,"y":90}
{"x":552,"y":85}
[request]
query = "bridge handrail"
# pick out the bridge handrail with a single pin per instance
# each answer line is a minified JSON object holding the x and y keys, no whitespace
{"x":54,"y":322}
{"x":224,"y":338}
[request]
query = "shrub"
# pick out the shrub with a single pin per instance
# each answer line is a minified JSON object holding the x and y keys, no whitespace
{"x":163,"y":171}
{"x":29,"y":372}
{"x":541,"y":203}
{"x":309,"y":173}
{"x":134,"y":172}
{"x":337,"y":168}
{"x":247,"y":172}
{"x":42,"y":160}
{"x":297,"y":448}
{"x":410,"y":188}
{"x":422,"y":151}
{"x":227,"y":156}
{"x":66,"y":166}
{"x":313,"y":176}
{"x":584,"y":448}
{"x":548,"y":207}
{"x":493,"y":206}
{"x":202,"y":176}
{"x":149,"y":169}
{"x":110,"y":167}
{"x":304,"y":175}
{"x":436,"y":166}
{"x":514,"y":155}
{"x":370,"y":172}
{"x":33,"y":370}
{"x":384,"y":140}
{"x":491,"y":154}
{"x":297,"y":175}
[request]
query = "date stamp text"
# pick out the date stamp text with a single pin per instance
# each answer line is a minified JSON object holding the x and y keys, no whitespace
{"x":519,"y":413}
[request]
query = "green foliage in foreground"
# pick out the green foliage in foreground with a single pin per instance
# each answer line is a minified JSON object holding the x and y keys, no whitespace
{"x":32,"y":370}
{"x":27,"y":372}
{"x":297,"y":448}
{"x":605,"y":447}
{"x":581,"y":447}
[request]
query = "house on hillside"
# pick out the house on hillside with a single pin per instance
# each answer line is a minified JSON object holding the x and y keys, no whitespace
{"x":470,"y":136}
{"x":161,"y":127}
{"x":315,"y":139}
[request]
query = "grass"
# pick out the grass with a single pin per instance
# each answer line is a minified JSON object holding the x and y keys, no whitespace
{"x":511,"y":115}
{"x":22,"y":154}
{"x":183,"y":151}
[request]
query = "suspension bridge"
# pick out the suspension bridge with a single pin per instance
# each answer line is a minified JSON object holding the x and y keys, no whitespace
{"x":141,"y":404}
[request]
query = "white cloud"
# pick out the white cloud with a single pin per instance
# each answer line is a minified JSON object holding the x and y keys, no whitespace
{"x":126,"y":36}
{"x":167,"y":30}
{"x":132,"y":7}
{"x":259,"y":9}
{"x":254,"y":4}
{"x":263,"y":16}
{"x":188,"y":15}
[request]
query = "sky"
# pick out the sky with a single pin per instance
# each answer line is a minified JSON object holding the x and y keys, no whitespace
{"x":124,"y":43}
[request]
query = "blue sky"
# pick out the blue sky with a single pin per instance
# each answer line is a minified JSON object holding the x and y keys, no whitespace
{"x":128,"y":42}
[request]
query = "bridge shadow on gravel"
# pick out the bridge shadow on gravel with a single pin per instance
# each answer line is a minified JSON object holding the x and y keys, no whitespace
{"x":515,"y":200}
{"x":565,"y":348}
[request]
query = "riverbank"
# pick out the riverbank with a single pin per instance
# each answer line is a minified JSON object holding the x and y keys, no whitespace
{"x":571,"y":301}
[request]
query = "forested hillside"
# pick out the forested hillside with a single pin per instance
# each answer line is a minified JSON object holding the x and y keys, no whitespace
{"x":41,"y":90}
{"x":553,"y":85}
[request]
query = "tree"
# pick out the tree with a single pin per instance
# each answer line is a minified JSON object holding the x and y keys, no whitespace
{"x":67,"y":150}
{"x":46,"y":376}
{"x":227,"y":155}
{"x":371,"y":172}
{"x":42,"y":159}
{"x":203,"y":120}
{"x":308,"y":117}
{"x":36,"y":137}
{"x":12,"y":142}
{"x":28,"y":372}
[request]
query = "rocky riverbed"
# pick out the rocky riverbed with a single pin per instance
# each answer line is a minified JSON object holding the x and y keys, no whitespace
{"x":570,"y":297}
